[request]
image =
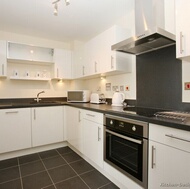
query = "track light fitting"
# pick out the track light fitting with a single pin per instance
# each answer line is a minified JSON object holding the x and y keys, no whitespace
{"x":55,"y":3}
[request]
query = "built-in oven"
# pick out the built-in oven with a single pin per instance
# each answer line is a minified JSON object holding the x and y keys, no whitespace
{"x":126,"y":147}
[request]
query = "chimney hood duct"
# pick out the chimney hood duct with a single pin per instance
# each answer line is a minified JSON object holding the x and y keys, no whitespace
{"x":149,"y":26}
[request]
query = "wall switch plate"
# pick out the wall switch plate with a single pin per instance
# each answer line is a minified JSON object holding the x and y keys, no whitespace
{"x":121,"y":88}
{"x":187,"y":85}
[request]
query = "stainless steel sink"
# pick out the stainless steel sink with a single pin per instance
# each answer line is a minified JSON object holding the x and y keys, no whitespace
{"x":44,"y":102}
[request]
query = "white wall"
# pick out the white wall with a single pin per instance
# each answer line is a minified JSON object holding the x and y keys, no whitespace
{"x":29,"y":89}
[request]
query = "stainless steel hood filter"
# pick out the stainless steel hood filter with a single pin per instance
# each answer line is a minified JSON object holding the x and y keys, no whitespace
{"x":149,"y":26}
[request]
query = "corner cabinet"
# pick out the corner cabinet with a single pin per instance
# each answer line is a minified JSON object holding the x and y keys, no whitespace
{"x":93,"y":136}
{"x":47,"y":125}
{"x":182,"y":29}
{"x":15,"y":129}
{"x":63,"y":64}
{"x":3,"y":58}
{"x":73,"y":123}
{"x":169,"y":155}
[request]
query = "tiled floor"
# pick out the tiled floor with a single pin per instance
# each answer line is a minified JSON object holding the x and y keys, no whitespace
{"x":61,"y":168}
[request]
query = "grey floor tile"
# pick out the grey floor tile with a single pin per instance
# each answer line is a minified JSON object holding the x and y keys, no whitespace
{"x":95,"y":179}
{"x":50,"y":187}
{"x":73,"y":183}
{"x":9,"y":174}
{"x":28,"y":158}
{"x":81,"y":166}
{"x":109,"y":186}
{"x":71,"y":157}
{"x":31,"y":168}
{"x":64,"y":150}
{"x":61,"y":173}
{"x":48,"y":154}
{"x":15,"y":184}
{"x":36,"y":181}
{"x":54,"y":162}
{"x":8,"y":163}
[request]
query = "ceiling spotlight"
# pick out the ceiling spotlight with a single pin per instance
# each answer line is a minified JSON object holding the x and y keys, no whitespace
{"x":55,"y":12}
{"x":67,"y":2}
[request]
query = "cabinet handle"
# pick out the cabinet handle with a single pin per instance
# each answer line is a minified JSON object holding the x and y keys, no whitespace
{"x":95,"y":67}
{"x":83,"y":71}
{"x":176,"y":137}
{"x":153,"y":158}
{"x":57,"y":72}
{"x":79,"y":114}
{"x":181,"y":43}
{"x":90,"y":115}
{"x":34,"y":114}
{"x":112,"y":67}
{"x":12,"y":112}
{"x":2,"y":69}
{"x":99,"y":138}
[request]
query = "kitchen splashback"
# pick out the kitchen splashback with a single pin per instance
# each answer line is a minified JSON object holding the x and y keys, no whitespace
{"x":159,"y":79}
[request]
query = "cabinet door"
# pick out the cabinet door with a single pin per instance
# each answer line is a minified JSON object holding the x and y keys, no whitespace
{"x":15,"y":129}
{"x":63,"y":64}
{"x":73,"y":123}
{"x":47,"y":125}
{"x":93,"y":141}
{"x":182,"y":29}
{"x":3,"y":58}
{"x":168,"y":167}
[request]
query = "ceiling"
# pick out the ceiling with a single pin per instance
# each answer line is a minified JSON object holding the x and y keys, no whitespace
{"x":81,"y":20}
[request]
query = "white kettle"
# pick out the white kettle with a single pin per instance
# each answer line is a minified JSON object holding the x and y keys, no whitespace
{"x":118,"y":98}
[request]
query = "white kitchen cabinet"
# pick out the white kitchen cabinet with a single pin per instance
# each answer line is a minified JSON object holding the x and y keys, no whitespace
{"x":182,"y":29}
{"x":47,"y":125}
{"x":3,"y":58}
{"x":93,"y":136}
{"x":78,"y":60}
{"x":63,"y":64}
{"x":169,"y":165}
{"x":15,"y":129}
{"x":28,"y":53}
{"x":73,"y":123}
{"x":113,"y":61}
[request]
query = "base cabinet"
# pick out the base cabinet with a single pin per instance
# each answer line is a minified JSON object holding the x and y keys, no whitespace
{"x":93,"y":137}
{"x":73,"y":122}
{"x":15,"y":129}
{"x":169,"y":165}
{"x":47,"y":125}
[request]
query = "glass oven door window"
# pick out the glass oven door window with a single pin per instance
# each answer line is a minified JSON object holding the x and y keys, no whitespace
{"x":125,"y":154}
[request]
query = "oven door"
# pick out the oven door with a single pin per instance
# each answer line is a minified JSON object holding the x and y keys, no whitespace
{"x":126,"y":154}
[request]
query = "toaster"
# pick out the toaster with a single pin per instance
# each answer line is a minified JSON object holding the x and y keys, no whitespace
{"x":96,"y":98}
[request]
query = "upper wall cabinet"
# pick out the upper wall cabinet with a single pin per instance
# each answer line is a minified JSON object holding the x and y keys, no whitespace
{"x":98,"y":58}
{"x":39,"y":62}
{"x":113,"y":61}
{"x":3,"y":58}
{"x":182,"y":29}
{"x":28,"y":53}
{"x":63,"y":64}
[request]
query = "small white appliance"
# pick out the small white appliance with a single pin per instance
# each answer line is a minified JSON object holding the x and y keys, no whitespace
{"x":96,"y":98}
{"x":78,"y":96}
{"x":118,"y":98}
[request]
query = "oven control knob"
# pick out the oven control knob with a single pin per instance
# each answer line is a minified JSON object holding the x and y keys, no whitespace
{"x":111,"y":122}
{"x":134,"y":128}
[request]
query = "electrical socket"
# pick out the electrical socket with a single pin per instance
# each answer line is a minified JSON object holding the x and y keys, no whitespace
{"x":187,"y":85}
{"x":127,"y":88}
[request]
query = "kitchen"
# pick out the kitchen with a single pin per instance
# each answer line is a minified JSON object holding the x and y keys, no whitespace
{"x":135,"y":76}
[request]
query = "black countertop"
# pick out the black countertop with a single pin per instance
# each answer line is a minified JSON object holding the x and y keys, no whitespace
{"x":102,"y":108}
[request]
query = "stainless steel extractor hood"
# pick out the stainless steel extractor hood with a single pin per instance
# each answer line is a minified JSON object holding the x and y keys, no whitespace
{"x":149,"y":26}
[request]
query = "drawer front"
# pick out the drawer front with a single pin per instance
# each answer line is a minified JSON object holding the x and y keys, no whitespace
{"x":170,"y":136}
{"x":93,"y":116}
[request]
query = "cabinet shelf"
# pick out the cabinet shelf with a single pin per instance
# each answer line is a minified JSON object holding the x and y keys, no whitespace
{"x":30,"y":78}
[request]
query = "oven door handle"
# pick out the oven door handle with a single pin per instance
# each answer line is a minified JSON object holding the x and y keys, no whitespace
{"x":124,"y":137}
